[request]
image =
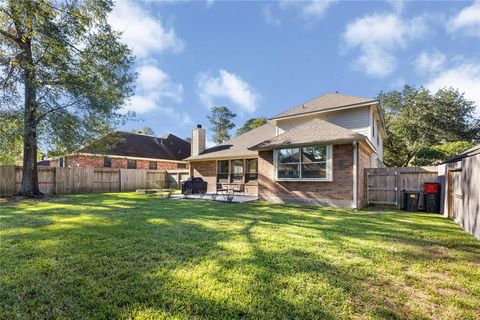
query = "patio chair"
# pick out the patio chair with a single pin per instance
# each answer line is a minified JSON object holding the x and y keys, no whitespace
{"x":221,"y":188}
{"x":240,"y":189}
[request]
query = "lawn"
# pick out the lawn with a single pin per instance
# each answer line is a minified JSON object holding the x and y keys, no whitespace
{"x":140,"y":257}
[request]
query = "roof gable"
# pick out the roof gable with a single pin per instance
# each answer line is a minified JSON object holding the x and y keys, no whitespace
{"x":329,"y":101}
{"x":315,"y":131}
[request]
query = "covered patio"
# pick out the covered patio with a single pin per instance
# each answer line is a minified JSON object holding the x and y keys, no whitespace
{"x":217,"y":197}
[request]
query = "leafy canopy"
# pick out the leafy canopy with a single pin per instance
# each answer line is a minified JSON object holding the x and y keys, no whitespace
{"x":417,"y":120}
{"x":221,"y":123}
{"x":251,"y":124}
{"x":78,"y":70}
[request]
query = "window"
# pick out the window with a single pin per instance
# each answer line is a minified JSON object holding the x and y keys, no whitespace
{"x":222,"y":171}
{"x":61,"y":162}
{"x":131,"y":164}
{"x":373,"y":129}
{"x":107,"y":162}
{"x":152,"y":165}
{"x":307,"y":163}
{"x":236,"y":171}
{"x":251,"y":169}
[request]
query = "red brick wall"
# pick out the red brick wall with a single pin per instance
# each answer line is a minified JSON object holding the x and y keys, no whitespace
{"x":117,"y":163}
{"x":206,"y":170}
{"x":339,"y":192}
{"x":363,"y":162}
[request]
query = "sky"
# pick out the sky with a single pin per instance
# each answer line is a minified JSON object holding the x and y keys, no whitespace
{"x":261,"y":58}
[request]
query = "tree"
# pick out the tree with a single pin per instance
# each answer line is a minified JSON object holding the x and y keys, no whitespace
{"x":221,"y":120}
{"x":70,"y":69}
{"x":251,"y":124}
{"x":10,"y":138}
{"x":436,"y":154}
{"x":417,"y":120}
{"x":145,"y":130}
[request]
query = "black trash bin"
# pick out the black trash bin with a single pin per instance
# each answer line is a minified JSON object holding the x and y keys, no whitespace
{"x":432,"y":197}
{"x":412,"y":198}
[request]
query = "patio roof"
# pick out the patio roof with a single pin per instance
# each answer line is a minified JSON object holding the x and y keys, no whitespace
{"x":315,"y":131}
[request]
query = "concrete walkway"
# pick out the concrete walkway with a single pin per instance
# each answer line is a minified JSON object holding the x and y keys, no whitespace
{"x":219,"y":197}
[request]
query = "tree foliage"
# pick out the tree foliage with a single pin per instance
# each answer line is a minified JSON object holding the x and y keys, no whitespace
{"x":221,"y":123}
{"x":66,"y":65}
{"x":251,"y":124}
{"x":11,"y":142}
{"x":417,"y":120}
{"x":436,"y":154}
{"x":145,"y":130}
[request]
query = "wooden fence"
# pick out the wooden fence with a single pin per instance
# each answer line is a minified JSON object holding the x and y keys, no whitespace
{"x":384,"y":185}
{"x":82,"y":180}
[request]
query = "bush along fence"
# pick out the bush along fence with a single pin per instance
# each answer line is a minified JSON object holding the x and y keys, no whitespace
{"x":87,"y":180}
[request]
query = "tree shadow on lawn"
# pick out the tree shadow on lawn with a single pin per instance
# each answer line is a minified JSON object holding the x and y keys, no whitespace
{"x":171,"y":258}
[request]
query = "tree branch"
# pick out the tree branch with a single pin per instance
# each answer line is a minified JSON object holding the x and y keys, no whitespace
{"x":43,"y":115}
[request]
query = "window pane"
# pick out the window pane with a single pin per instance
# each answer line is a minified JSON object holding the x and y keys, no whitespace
{"x":107,"y":162}
{"x":237,"y":166}
{"x":131,"y":164}
{"x":314,"y":154}
{"x":152,"y":165}
{"x":314,"y":170}
{"x":252,"y":166}
{"x":222,"y":166}
{"x":251,"y":177}
{"x":288,"y":171}
{"x":222,"y":178}
{"x":288,"y":155}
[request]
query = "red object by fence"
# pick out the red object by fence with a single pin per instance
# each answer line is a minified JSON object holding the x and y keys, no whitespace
{"x":431,"y":187}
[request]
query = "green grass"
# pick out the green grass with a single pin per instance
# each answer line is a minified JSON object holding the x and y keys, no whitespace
{"x":135,"y":256}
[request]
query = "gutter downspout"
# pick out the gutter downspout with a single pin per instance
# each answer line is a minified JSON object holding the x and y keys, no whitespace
{"x":355,"y":173}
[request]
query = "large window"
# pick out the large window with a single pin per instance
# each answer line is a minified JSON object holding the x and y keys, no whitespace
{"x":222,"y":171}
{"x":251,"y":170}
{"x":152,"y":165}
{"x":307,"y":163}
{"x":236,"y":171}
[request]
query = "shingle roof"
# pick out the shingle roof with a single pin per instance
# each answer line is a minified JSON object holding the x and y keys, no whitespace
{"x":328,"y":101}
{"x":468,"y":153}
{"x":238,"y":146}
{"x":119,"y":143}
{"x":311,"y":132}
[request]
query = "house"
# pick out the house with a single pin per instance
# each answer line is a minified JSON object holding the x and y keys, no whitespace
{"x":460,"y":178}
{"x":312,"y":153}
{"x":128,"y":150}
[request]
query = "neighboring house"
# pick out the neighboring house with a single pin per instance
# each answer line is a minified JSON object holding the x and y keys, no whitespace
{"x":312,"y":153}
{"x":128,"y":151}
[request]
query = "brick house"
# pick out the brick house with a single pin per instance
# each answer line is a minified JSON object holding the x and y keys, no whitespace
{"x":127,"y":150}
{"x":313,"y":153}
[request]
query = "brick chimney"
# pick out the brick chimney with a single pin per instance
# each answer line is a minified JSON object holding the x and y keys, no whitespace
{"x":198,"y":140}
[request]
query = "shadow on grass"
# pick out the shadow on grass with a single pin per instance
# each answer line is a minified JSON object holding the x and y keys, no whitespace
{"x":121,"y":256}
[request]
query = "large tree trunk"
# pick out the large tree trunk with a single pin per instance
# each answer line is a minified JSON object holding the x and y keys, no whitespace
{"x":29,"y":187}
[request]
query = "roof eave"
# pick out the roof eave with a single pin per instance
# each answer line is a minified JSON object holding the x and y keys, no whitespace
{"x":347,"y":106}
{"x":306,"y":144}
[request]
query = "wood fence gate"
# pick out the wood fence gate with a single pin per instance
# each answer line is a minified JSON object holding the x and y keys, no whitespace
{"x":455,"y":195}
{"x":382,"y":188}
{"x":384,"y":185}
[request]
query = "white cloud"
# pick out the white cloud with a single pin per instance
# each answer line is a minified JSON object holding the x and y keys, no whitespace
{"x":308,"y":9}
{"x":468,"y":20}
{"x":142,"y":31}
{"x":429,"y":61}
{"x":154,"y":90}
{"x":465,"y":77}
{"x":269,"y":17}
{"x":227,"y":86}
{"x":377,"y":37}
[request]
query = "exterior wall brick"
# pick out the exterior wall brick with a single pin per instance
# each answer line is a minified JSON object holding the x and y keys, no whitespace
{"x":117,"y":163}
{"x":363,"y":162}
{"x":338,"y":192}
{"x":207,"y":170}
